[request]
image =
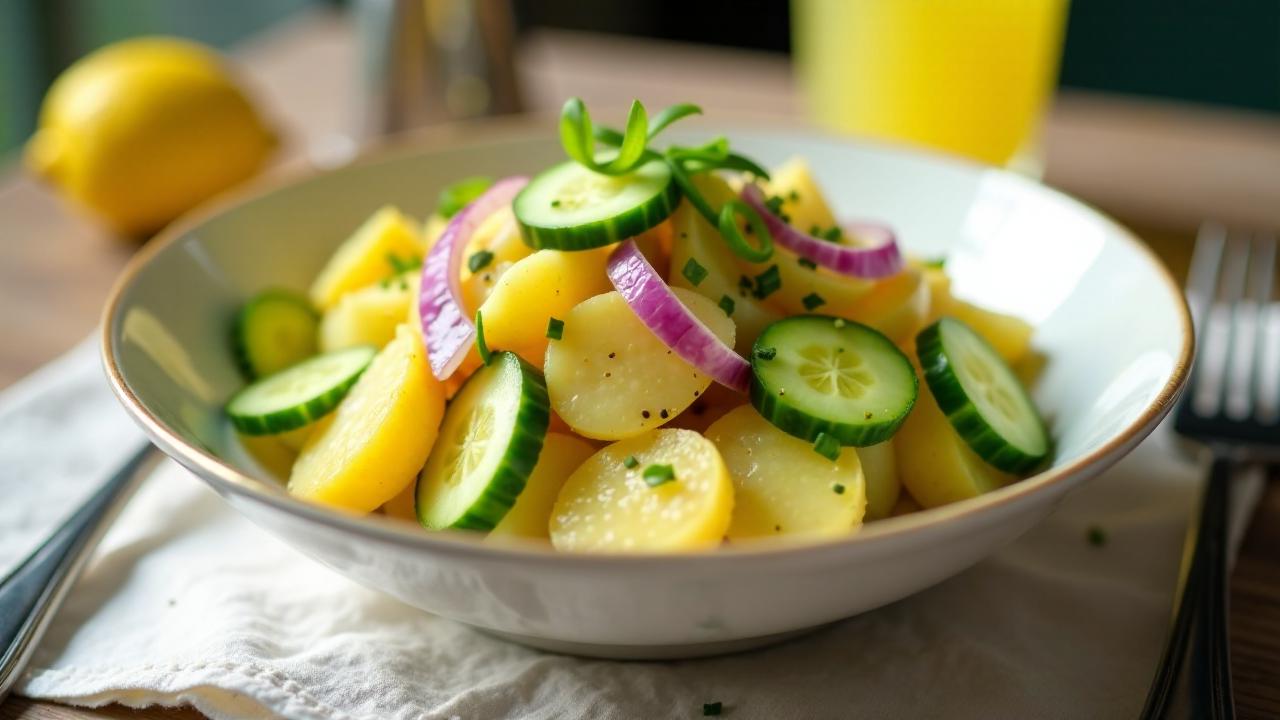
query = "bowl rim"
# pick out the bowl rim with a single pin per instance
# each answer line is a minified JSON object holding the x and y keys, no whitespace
{"x":224,"y":478}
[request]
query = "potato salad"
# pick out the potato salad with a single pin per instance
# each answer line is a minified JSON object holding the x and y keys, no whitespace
{"x":640,"y":349}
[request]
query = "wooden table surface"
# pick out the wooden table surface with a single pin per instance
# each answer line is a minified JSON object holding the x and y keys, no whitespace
{"x":1160,"y":168}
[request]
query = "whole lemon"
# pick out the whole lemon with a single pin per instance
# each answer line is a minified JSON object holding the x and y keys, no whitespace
{"x":142,"y":130}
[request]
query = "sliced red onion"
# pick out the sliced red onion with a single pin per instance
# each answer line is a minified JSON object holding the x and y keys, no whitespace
{"x":446,"y":330}
{"x":667,"y":318}
{"x":881,"y":259}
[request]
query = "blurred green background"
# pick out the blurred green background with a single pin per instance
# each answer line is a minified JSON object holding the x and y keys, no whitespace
{"x":1222,"y":52}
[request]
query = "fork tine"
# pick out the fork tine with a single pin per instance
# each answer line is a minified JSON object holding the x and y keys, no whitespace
{"x":1266,"y":376}
{"x":1202,"y":289}
{"x":1240,"y":287}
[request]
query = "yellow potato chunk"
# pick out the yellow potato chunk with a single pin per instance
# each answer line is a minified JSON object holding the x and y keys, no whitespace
{"x":934,"y":464}
{"x":896,"y":306}
{"x":530,"y":516}
{"x":606,"y":506}
{"x":368,"y":449}
{"x":500,"y":235}
{"x":1009,"y":335}
{"x":270,"y":453}
{"x":432,"y":229}
{"x":802,"y":201}
{"x":610,"y":378}
{"x":546,"y":284}
{"x":366,"y":256}
{"x":880,"y":468}
{"x":402,"y":506}
{"x":694,"y":238}
{"x":781,"y":486}
{"x":370,"y":315}
{"x":840,"y":294}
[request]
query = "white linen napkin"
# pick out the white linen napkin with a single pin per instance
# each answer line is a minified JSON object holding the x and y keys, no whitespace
{"x":186,"y":602}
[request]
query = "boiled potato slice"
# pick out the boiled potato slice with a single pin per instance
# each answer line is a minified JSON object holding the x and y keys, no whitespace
{"x":366,"y":257}
{"x":934,"y":464}
{"x":802,"y":202}
{"x":610,"y":378}
{"x":655,"y":245}
{"x":840,"y":295}
{"x":295,"y":439}
{"x":781,"y":486}
{"x":609,"y":507}
{"x":500,"y":235}
{"x":1009,"y":335}
{"x":530,"y":516}
{"x":880,"y":468}
{"x":365,"y":452}
{"x":270,"y":453}
{"x":544,"y":285}
{"x":370,"y":315}
{"x":694,"y":238}
{"x":896,"y":306}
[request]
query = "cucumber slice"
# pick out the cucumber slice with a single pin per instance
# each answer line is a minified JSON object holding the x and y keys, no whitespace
{"x":298,"y":395}
{"x":274,"y":330}
{"x":814,"y":374}
{"x":568,"y":207}
{"x":488,"y":445}
{"x":982,"y":397}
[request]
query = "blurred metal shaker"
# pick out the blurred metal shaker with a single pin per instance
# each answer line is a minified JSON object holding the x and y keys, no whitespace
{"x":430,"y":61}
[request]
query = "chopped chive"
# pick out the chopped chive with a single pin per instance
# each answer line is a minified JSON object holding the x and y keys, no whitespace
{"x":774,"y":203}
{"x":807,"y":263}
{"x":812,"y":300}
{"x":838,"y":489}
{"x":481,"y":347}
{"x":727,"y":305}
{"x":793,"y":196}
{"x":694,"y":272}
{"x":656,"y":475}
{"x":401,"y":265}
{"x":555,"y":328}
{"x":555,"y":203}
{"x":1097,"y":536}
{"x":479,"y":260}
{"x":460,"y":194}
{"x":712,"y":708}
{"x":767,"y":283}
{"x":631,"y":462}
{"x":827,"y":446}
{"x":766,"y":353}
{"x":815,"y":230}
{"x":832,"y":234}
{"x":936,"y":263}
{"x":744,"y":283}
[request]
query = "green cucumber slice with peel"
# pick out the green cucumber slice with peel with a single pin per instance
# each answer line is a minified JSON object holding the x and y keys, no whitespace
{"x":274,"y":330}
{"x":814,"y":375}
{"x":488,"y":445}
{"x":568,"y":207}
{"x":981,"y":397}
{"x":298,"y":395}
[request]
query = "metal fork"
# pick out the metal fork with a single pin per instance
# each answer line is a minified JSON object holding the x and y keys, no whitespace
{"x":1233,"y":408}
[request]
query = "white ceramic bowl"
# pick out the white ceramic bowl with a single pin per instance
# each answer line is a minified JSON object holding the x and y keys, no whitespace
{"x":1108,"y":317}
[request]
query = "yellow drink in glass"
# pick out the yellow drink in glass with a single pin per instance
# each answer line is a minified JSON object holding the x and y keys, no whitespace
{"x":970,"y":77}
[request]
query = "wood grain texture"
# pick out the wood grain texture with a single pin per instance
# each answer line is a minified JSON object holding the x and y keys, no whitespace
{"x":1164,"y":168}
